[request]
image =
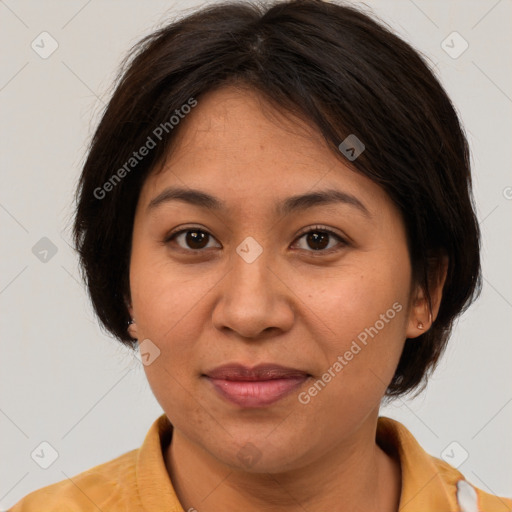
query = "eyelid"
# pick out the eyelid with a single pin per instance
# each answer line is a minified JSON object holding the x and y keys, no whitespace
{"x":320,"y":227}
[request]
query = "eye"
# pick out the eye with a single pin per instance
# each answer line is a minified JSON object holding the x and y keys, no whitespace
{"x":318,"y":239}
{"x":194,"y":239}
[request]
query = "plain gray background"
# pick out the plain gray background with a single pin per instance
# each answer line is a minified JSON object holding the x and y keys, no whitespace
{"x":65,"y":382}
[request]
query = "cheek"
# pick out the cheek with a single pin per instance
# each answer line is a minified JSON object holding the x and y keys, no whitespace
{"x":167,"y":303}
{"x":362,"y":312}
{"x":353,"y":299}
{"x":165,"y":295}
{"x":169,"y":308}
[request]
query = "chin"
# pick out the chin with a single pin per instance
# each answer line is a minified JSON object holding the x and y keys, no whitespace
{"x":256,"y":454}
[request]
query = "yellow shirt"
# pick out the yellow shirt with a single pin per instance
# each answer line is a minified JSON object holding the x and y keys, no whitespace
{"x":138,"y":481}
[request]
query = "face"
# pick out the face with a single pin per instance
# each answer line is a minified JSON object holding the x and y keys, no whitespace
{"x":321,"y":287}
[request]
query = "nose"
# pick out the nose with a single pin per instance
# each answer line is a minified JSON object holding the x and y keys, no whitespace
{"x":254,"y":301}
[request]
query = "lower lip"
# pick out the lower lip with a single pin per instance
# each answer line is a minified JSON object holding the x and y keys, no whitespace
{"x":256,"y":393}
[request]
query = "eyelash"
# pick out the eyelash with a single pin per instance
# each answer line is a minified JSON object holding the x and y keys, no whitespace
{"x":315,"y":229}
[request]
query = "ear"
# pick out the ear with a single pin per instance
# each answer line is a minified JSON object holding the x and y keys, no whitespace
{"x":132,"y":331}
{"x":132,"y":327}
{"x":421,"y":317}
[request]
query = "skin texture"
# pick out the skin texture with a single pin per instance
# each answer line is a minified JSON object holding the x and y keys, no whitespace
{"x":293,"y":306}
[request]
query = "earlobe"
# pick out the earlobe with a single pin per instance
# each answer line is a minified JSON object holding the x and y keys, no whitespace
{"x":132,"y":328}
{"x":420,"y":324}
{"x":422,"y":315}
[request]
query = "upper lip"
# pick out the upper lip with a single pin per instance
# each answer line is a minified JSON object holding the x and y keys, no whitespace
{"x":240,"y":372}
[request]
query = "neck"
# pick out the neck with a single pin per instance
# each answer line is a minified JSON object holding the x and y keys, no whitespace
{"x":355,"y":475}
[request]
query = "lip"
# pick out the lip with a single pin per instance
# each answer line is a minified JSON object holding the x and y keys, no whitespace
{"x":258,"y":386}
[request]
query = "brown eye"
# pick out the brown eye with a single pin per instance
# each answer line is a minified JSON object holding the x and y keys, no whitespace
{"x":196,"y":239}
{"x":191,"y":239}
{"x":318,"y":240}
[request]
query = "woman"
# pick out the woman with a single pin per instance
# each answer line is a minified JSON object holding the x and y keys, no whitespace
{"x":276,"y":209}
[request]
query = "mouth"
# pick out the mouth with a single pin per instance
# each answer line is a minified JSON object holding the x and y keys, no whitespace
{"x":255,"y":387}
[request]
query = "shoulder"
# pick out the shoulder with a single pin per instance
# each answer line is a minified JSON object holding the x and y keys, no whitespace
{"x":469,"y":497}
{"x":109,"y":484}
{"x":430,"y":483}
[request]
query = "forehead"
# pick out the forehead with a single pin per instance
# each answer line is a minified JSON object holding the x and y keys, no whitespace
{"x":236,"y":145}
{"x":239,"y":125}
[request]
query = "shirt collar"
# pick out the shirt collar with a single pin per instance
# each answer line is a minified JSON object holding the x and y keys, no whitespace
{"x":426,"y":481}
{"x":154,"y":486}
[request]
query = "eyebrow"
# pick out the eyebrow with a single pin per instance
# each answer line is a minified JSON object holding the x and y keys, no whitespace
{"x":289,"y":205}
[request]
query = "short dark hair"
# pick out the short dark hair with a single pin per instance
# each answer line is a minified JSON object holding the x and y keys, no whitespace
{"x":329,"y":64}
